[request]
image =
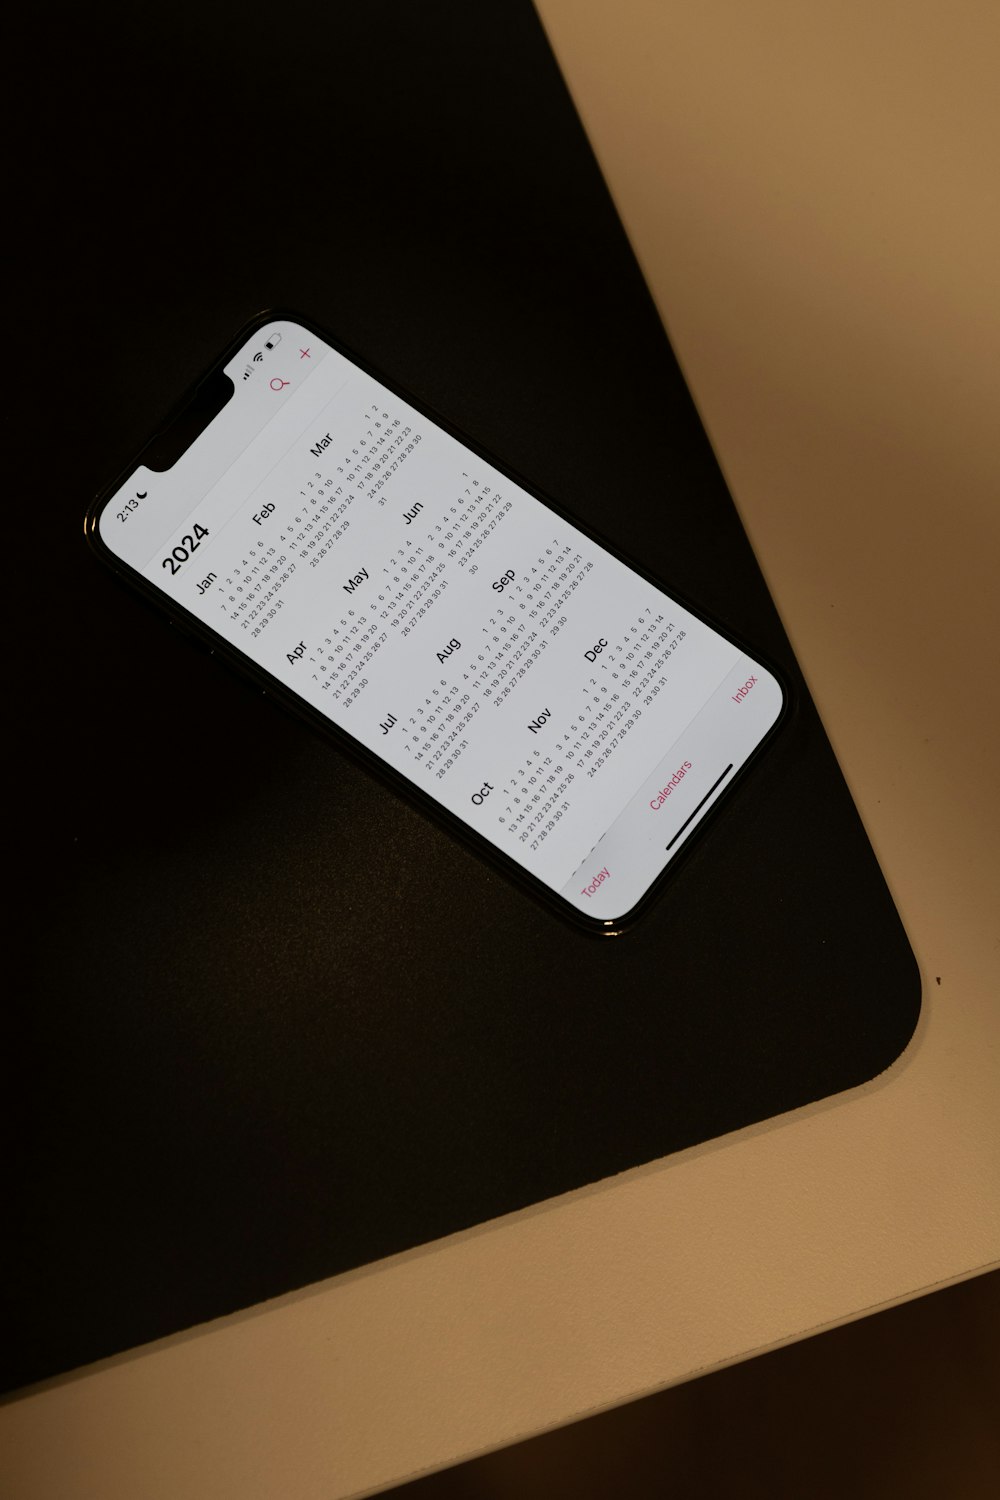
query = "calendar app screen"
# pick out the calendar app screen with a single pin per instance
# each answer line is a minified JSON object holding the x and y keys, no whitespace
{"x":531,"y":683}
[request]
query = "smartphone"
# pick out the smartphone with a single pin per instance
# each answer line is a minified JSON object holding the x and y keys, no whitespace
{"x":442,"y":619}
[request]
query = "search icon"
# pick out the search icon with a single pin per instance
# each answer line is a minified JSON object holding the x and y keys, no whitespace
{"x":277,"y":383}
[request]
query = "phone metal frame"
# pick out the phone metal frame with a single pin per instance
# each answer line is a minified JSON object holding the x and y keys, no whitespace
{"x":177,"y":614}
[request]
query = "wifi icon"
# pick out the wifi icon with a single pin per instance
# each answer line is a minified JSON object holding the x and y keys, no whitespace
{"x":258,"y":357}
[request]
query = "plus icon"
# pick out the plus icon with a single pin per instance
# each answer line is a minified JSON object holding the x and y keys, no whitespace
{"x":304,"y":354}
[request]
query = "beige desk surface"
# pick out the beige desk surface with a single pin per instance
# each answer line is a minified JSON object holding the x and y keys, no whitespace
{"x":812,"y":190}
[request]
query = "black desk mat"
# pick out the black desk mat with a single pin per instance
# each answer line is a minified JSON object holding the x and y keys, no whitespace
{"x":273,"y":1022}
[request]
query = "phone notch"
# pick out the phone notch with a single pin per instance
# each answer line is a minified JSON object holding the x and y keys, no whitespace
{"x":214,"y":392}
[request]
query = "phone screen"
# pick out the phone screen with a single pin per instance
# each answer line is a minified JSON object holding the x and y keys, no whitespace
{"x":450,"y":622}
